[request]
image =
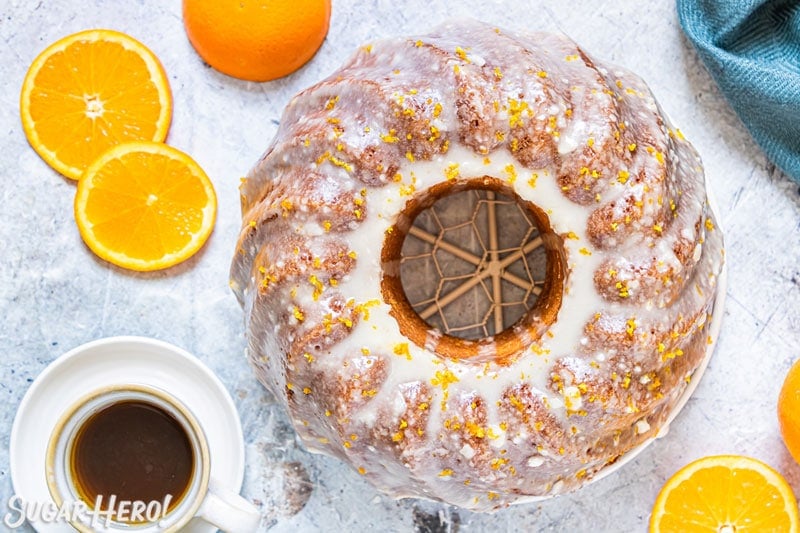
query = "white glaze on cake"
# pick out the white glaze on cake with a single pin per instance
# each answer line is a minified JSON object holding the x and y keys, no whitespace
{"x":584,"y":142}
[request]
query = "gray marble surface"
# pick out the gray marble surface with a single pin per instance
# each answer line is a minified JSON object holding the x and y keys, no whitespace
{"x":54,"y":294}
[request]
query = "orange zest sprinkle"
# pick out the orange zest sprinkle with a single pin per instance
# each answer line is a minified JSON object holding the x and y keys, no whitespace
{"x":443,"y":379}
{"x":451,"y":172}
{"x":402,"y":350}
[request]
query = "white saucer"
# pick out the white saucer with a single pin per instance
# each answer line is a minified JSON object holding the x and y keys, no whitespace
{"x":122,"y":360}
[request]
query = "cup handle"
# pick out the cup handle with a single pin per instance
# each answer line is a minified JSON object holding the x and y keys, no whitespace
{"x":228,"y":511}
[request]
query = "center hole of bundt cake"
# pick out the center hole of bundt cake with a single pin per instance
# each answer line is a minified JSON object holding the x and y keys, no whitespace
{"x":472,"y":262}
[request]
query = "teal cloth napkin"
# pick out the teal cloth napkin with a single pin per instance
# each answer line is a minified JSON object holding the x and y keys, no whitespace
{"x":752,"y":49}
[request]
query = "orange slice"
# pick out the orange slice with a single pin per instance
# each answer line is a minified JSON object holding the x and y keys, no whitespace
{"x":725,"y":493}
{"x":90,"y":91}
{"x":145,"y":206}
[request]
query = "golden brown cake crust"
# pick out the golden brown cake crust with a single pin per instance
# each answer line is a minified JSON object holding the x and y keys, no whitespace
{"x":634,"y":257}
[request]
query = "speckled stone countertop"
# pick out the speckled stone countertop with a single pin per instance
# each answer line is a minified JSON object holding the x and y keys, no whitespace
{"x":55,"y":295}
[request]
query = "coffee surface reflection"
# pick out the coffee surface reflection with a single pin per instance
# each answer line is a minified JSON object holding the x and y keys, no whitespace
{"x":133,"y":450}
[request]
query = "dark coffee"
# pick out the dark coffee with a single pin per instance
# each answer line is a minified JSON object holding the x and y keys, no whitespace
{"x":133,"y":450}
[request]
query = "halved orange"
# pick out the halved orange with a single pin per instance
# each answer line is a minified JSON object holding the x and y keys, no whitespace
{"x":90,"y":91}
{"x":725,"y":494}
{"x":145,"y":206}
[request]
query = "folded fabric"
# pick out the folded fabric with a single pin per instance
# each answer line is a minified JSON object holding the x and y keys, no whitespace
{"x":752,"y":50}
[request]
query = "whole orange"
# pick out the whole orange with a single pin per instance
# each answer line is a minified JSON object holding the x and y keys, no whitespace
{"x":256,"y":40}
{"x":789,"y":410}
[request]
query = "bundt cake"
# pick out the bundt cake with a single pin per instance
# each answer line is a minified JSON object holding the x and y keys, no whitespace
{"x":590,"y":372}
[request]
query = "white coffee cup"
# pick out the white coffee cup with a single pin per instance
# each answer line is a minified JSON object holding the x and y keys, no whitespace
{"x":202,"y":497}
